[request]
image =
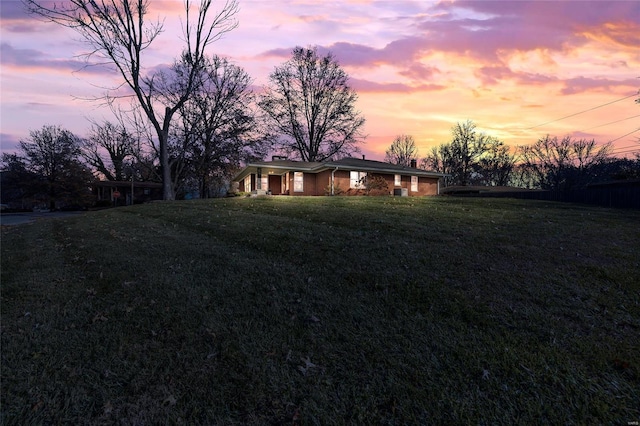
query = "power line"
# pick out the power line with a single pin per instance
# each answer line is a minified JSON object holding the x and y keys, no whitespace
{"x":612,"y":122}
{"x":582,"y":112}
{"x":626,"y":147}
{"x":630,"y":151}
{"x":633,"y":131}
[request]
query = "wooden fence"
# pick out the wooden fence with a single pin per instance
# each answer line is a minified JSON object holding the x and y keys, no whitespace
{"x":607,"y":195}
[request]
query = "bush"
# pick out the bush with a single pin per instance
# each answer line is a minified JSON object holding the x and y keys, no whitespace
{"x":337,"y":190}
{"x":376,"y":186}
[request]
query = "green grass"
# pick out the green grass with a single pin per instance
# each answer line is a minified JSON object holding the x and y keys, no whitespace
{"x":324,"y":311}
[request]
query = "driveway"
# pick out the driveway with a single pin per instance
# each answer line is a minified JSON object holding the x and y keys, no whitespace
{"x":22,"y":218}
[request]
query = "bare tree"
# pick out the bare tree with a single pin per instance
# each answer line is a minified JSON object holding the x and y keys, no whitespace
{"x":402,"y":150}
{"x":459,"y":157}
{"x":220,"y":125}
{"x":52,"y":155}
{"x":562,"y":163}
{"x":441,"y":160}
{"x":311,"y":104}
{"x":467,"y":146}
{"x":113,"y":140}
{"x":496,"y":163}
{"x":117,"y":32}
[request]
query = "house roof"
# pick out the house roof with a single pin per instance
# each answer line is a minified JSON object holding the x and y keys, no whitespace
{"x":126,"y":183}
{"x":356,"y":164}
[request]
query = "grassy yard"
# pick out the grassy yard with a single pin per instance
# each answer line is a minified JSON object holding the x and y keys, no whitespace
{"x":324,"y":311}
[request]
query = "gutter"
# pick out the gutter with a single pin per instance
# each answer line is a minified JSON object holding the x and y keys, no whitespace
{"x":333,"y":179}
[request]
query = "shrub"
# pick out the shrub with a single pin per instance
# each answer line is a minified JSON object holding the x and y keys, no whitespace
{"x":337,"y":190}
{"x":376,"y":185}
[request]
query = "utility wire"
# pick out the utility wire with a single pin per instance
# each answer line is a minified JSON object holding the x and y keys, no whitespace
{"x":630,"y":151}
{"x":633,"y":131}
{"x":613,"y":122}
{"x":582,"y":112}
{"x":626,"y":147}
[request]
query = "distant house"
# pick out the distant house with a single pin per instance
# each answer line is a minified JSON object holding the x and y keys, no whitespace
{"x":348,"y":175}
{"x":119,"y":192}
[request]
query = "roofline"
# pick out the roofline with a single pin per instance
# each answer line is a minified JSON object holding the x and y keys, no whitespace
{"x":403,"y":170}
{"x":302,"y":166}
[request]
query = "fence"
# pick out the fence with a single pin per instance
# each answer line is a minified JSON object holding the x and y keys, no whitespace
{"x":607,"y":195}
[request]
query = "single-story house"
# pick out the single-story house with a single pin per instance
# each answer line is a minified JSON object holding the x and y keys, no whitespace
{"x":119,"y":192}
{"x":287,"y":177}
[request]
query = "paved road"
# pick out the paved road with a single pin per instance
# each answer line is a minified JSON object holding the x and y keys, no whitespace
{"x":22,"y":218}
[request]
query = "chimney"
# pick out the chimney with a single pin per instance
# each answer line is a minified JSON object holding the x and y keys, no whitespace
{"x":363,"y":156}
{"x":414,"y":163}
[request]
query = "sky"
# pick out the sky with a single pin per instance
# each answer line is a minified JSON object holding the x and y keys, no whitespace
{"x":519,"y":70}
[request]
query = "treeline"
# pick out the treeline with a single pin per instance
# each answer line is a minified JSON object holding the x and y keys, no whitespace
{"x":307,"y":112}
{"x":475,"y":158}
{"x":213,"y":131}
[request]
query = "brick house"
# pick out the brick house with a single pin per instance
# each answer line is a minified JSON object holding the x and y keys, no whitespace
{"x":287,"y":177}
{"x":143,"y":192}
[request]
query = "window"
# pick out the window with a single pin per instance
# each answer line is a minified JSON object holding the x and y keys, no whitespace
{"x":247,"y":184}
{"x":397,"y":181}
{"x":298,"y":182}
{"x":264,"y":182}
{"x":357,"y":179}
{"x":414,"y":183}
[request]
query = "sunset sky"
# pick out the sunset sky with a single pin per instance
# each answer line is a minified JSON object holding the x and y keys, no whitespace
{"x":516,"y":68}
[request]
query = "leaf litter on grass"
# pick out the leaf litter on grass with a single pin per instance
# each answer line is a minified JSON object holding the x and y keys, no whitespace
{"x":429,"y":310}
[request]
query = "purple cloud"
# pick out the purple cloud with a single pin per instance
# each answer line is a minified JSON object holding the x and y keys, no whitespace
{"x":583,"y":84}
{"x":491,"y":75}
{"x":420,"y":72}
{"x":536,"y":24}
{"x":360,"y":85}
{"x":9,"y":142}
{"x":31,"y":58}
{"x":16,"y":19}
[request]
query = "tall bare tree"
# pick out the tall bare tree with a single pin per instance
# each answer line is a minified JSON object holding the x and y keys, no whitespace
{"x":402,"y":150}
{"x":220,"y":125}
{"x":310,"y":103}
{"x":467,"y":145}
{"x":460,"y":156}
{"x":113,"y":140}
{"x":118,"y":32}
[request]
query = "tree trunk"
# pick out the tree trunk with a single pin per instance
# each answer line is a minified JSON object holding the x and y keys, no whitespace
{"x":167,"y":187}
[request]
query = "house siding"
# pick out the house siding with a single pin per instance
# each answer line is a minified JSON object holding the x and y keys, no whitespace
{"x":323,"y":183}
{"x":308,"y":186}
{"x":341,"y":181}
{"x":318,"y":177}
{"x":426,"y":186}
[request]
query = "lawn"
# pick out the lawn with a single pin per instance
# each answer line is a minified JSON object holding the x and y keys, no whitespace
{"x":324,"y":310}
